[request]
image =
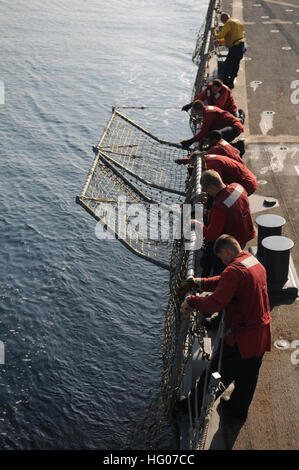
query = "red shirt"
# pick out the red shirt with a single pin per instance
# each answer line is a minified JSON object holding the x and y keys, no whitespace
{"x":232,"y":171}
{"x":242,"y":291}
{"x":223,"y":99}
{"x":215,"y":119}
{"x":224,"y":148}
{"x":230,"y":214}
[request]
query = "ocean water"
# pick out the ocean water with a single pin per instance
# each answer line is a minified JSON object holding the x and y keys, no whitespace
{"x":81,"y":319}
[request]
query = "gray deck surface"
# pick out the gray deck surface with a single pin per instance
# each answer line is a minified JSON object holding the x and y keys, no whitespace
{"x":266,"y":90}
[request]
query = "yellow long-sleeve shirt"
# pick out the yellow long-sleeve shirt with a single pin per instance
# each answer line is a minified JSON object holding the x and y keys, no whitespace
{"x":232,"y":33}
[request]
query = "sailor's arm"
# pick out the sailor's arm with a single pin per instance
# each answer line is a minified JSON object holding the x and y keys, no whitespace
{"x":218,"y":300}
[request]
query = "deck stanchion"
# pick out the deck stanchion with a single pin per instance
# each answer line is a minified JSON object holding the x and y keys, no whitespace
{"x":276,"y":257}
{"x":268,"y":225}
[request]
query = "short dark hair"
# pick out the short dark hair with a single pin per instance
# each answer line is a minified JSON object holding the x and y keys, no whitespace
{"x":198,"y":104}
{"x":226,"y":241}
{"x":211,"y":177}
{"x":217,"y":82}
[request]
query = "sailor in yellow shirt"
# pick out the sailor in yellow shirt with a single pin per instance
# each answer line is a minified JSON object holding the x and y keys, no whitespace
{"x":232,"y":35}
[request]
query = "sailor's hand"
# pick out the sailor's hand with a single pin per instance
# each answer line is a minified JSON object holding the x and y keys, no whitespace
{"x":185,"y":309}
{"x":202,"y":198}
{"x":196,"y":224}
{"x":182,"y":161}
{"x":186,"y":287}
{"x":186,"y":143}
{"x":197,"y":282}
{"x":186,"y":107}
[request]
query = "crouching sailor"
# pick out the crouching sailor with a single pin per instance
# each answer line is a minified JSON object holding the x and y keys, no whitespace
{"x":241,"y":290}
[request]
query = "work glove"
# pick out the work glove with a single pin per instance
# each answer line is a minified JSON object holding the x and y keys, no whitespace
{"x":182,"y":161}
{"x":186,"y":143}
{"x":186,"y":287}
{"x":186,"y":107}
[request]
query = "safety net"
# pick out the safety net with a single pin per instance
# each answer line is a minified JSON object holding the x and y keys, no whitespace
{"x":134,"y":168}
{"x":135,"y":188}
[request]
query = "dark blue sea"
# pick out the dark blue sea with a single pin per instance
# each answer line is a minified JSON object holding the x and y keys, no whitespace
{"x":81,"y":318}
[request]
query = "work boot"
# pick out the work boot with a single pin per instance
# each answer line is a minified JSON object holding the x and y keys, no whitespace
{"x":241,"y":116}
{"x":239,"y":145}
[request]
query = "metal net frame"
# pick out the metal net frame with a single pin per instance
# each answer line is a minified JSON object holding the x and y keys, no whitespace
{"x":134,"y":175}
{"x":161,"y":422}
{"x":133,"y":164}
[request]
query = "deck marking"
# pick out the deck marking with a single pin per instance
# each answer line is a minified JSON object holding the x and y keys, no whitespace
{"x":297,"y":169}
{"x":262,"y":182}
{"x":277,"y":22}
{"x":240,"y":87}
{"x":255,"y":84}
{"x":284,"y":4}
{"x":266,"y":122}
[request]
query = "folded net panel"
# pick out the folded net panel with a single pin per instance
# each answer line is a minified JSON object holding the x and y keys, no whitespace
{"x":134,"y":187}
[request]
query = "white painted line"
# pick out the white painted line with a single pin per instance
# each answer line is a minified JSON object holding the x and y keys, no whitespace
{"x":284,"y":4}
{"x":297,"y":169}
{"x":240,"y":87}
{"x":277,"y":22}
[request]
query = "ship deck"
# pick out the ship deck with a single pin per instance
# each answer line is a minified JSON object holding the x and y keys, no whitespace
{"x":267,"y":89}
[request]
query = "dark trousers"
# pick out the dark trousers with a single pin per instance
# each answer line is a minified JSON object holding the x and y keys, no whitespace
{"x":232,"y":63}
{"x":233,"y":368}
{"x":210,"y":263}
{"x":229,"y":133}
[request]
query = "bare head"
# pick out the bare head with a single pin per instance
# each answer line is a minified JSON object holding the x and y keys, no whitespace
{"x":211,"y":182}
{"x":226,"y":248}
{"x":198,"y":107}
{"x":224,"y":17}
{"x":214,"y":137}
{"x":217,"y":84}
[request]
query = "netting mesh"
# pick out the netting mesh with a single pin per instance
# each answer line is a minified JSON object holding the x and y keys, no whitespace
{"x":131,"y":163}
{"x":134,"y":172}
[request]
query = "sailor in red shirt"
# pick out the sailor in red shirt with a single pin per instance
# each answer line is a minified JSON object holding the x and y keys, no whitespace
{"x":242,"y":291}
{"x":230,"y":212}
{"x":229,"y":170}
{"x":214,"y":118}
{"x":216,"y":94}
{"x":219,"y":146}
